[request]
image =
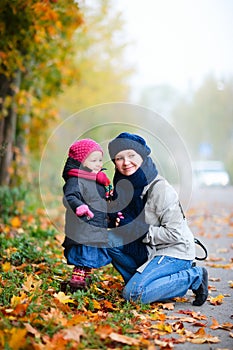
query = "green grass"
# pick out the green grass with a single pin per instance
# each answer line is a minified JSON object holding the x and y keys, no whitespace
{"x":33,"y":276}
{"x":33,"y":273}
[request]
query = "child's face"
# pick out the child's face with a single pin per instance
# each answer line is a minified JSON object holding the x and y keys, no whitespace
{"x":94,"y":161}
{"x":127,"y":162}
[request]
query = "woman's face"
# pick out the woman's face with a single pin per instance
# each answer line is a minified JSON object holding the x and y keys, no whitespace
{"x":128,"y":161}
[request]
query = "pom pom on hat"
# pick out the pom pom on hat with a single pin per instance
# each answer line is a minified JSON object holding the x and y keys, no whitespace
{"x":81,"y":149}
{"x":126,"y":141}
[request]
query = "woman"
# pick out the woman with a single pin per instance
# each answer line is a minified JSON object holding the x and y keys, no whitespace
{"x":167,"y":270}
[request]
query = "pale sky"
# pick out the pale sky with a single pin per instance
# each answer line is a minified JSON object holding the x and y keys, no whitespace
{"x":179,"y":42}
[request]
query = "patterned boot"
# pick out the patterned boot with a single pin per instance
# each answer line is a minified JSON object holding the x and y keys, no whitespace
{"x":81,"y":278}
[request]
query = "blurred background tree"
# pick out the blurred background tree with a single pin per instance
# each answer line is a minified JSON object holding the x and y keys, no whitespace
{"x":161,"y":98}
{"x":205,"y":120}
{"x":60,"y":57}
{"x":100,"y":58}
{"x":35,"y":64}
{"x":202,"y":116}
{"x":104,"y":78}
{"x":47,"y":46}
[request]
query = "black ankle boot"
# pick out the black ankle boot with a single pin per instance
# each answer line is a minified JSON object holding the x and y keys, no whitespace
{"x":201,"y":294}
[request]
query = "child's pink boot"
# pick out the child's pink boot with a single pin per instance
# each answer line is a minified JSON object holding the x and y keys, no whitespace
{"x":81,"y":278}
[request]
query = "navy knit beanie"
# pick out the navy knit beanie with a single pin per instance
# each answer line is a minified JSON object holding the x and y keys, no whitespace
{"x":126,"y":141}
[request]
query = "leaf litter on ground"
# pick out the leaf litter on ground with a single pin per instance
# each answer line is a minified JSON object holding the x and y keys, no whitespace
{"x":38,"y":311}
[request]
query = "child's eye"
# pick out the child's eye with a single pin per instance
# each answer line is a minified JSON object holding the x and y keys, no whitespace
{"x":131,"y":155}
{"x":119,"y":158}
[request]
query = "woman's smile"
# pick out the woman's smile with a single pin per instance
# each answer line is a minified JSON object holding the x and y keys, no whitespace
{"x":127,"y":162}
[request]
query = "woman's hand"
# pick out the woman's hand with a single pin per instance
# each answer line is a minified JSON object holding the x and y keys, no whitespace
{"x":119,"y":218}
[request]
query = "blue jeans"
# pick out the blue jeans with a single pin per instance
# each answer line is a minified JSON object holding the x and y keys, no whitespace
{"x":128,"y":258}
{"x":81,"y":255}
{"x":163,"y":280}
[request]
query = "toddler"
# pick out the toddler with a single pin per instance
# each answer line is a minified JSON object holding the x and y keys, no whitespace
{"x":85,"y":191}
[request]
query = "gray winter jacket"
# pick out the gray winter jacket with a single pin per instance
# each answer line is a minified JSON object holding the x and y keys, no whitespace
{"x":83,"y":230}
{"x":169,"y":233}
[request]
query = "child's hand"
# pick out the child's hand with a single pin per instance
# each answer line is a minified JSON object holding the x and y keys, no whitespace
{"x":84,"y":210}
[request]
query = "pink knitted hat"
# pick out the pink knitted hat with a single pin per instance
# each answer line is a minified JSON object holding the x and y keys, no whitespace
{"x":81,"y":149}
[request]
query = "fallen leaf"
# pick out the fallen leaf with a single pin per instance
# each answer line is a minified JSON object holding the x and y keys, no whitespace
{"x":216,"y":300}
{"x":104,"y":331}
{"x":230,"y":284}
{"x":214,"y":279}
{"x":73,"y":333}
{"x":6,"y":266}
{"x":56,"y":342}
{"x":124,"y":339}
{"x":63,"y":298}
{"x":15,"y":300}
{"x":227,"y":325}
{"x":167,"y":344}
{"x":32,"y":330}
{"x":95,"y":304}
{"x":201,"y":337}
{"x":188,"y":319}
{"x":18,"y":338}
{"x":222,"y":266}
{"x":31,"y":284}
{"x":212,"y":288}
{"x":223,"y":250}
{"x":214,"y":258}
{"x":196,"y":315}
{"x":20,"y":309}
{"x":163,"y":327}
{"x":178,"y":327}
{"x":55,"y":315}
{"x":15,"y":222}
{"x":202,"y":340}
{"x":167,"y":306}
{"x":215,"y":324}
{"x":107,"y":305}
{"x":181,"y":299}
{"x":140,"y":316}
{"x":76,"y":319}
{"x":158,"y":316}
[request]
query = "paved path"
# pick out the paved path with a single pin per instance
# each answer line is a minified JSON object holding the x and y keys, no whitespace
{"x":210,"y":215}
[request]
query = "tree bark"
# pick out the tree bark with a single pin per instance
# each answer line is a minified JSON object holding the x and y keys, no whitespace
{"x":7,"y":128}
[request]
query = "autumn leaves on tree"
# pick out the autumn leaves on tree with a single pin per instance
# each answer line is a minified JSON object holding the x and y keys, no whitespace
{"x":35,"y":64}
{"x":45,"y":47}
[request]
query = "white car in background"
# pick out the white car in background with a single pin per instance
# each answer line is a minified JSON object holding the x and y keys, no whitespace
{"x":209,"y":173}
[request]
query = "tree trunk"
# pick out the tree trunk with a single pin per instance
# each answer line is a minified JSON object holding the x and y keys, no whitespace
{"x":7,"y":127}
